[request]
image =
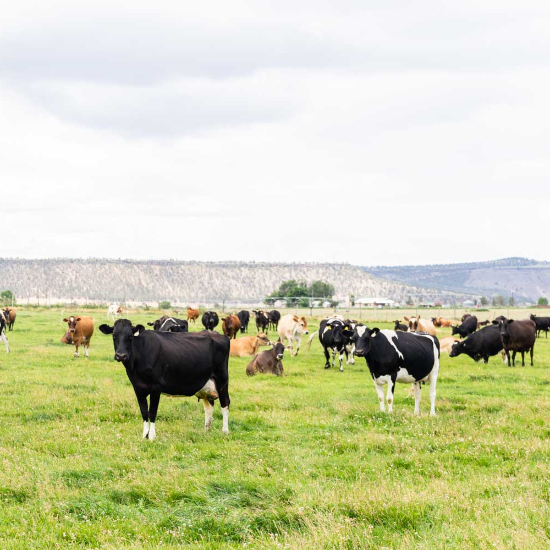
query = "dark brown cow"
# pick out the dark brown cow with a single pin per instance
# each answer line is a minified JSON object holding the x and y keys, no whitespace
{"x":231,"y":326}
{"x":267,"y":362}
{"x":192,"y":314}
{"x":80,"y":333}
{"x":9,"y":316}
{"x":517,"y":336}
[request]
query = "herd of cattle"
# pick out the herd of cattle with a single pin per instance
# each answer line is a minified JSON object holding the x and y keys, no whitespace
{"x":169,"y":359}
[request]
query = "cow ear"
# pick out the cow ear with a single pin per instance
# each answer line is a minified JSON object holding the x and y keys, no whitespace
{"x":406,"y":318}
{"x":495,"y":322}
{"x":78,"y":319}
{"x":347,"y":332}
{"x":138,"y":329}
{"x":510,"y":321}
{"x":65,"y":320}
{"x":106,"y":329}
{"x":375,"y":331}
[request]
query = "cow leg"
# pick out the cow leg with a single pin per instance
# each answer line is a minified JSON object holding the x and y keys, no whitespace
{"x":5,"y":339}
{"x":327,"y":358}
{"x":523,"y":358}
{"x":380,"y":392}
{"x":508,"y":358}
{"x":76,"y":351}
{"x":333,"y":356}
{"x":223,"y":394}
{"x":298,"y":342}
{"x":87,"y":350}
{"x":154,"y":400}
{"x":417,"y":395}
{"x":341,"y":359}
{"x":208,"y":410}
{"x":514,"y":358}
{"x":389,"y":393}
{"x":142,"y":402}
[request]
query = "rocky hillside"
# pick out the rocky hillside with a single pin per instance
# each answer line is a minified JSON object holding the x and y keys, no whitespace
{"x":189,"y":282}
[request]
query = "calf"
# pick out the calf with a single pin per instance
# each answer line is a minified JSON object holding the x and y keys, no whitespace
{"x":9,"y":316}
{"x":400,"y":326}
{"x":480,"y":345}
{"x":392,"y":357}
{"x":267,"y":362}
{"x":248,"y":345}
{"x":541,"y":323}
{"x":274,"y":317}
{"x":416,"y":324}
{"x":292,"y":327}
{"x":517,"y":336}
{"x":468,"y":326}
{"x":244,"y":318}
{"x":174,"y":364}
{"x":231,"y":326}
{"x":262,"y":320}
{"x":210,"y":320}
{"x":170,"y":324}
{"x":80,"y":332}
{"x":192,"y":314}
{"x":3,"y":336}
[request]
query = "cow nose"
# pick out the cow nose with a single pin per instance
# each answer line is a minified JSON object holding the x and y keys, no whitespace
{"x":279,"y":356}
{"x":71,"y":330}
{"x":121,"y":357}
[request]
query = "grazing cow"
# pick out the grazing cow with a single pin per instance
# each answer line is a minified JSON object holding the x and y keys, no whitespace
{"x":542,"y":323}
{"x":169,"y":324}
{"x":9,"y":316}
{"x":81,"y":330}
{"x":332,"y":338}
{"x":482,"y":344}
{"x":210,"y":320}
{"x":517,"y":336}
{"x":3,"y":336}
{"x":440,"y":322}
{"x":416,"y":324}
{"x":114,"y":311}
{"x":262,"y":320}
{"x":268,"y":361}
{"x":292,"y":327}
{"x":192,"y":314}
{"x":392,"y":357}
{"x":244,"y":318}
{"x":464,"y":317}
{"x":483,"y":323}
{"x":400,"y":326}
{"x":174,"y":364}
{"x":468,"y":326}
{"x":446,"y":344}
{"x":274,"y":318}
{"x":248,"y":345}
{"x":231,"y":326}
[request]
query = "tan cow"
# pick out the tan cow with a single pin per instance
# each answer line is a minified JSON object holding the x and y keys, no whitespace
{"x":231,"y":326}
{"x":9,"y":316}
{"x":440,"y":322}
{"x":80,"y":333}
{"x":247,"y":346}
{"x":192,"y":314}
{"x":416,"y":324}
{"x":292,"y":327}
{"x":446,"y":344}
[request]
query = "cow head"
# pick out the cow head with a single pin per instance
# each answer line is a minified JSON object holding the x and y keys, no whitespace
{"x":279,"y":350}
{"x":361,"y":337}
{"x":263,"y":339}
{"x":123,"y":336}
{"x":72,"y":321}
{"x":457,"y":349}
{"x":532,"y":317}
{"x":301,"y":324}
{"x":413,"y":323}
{"x":503,"y":324}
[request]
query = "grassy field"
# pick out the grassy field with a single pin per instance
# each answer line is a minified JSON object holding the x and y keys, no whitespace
{"x":310,"y":461}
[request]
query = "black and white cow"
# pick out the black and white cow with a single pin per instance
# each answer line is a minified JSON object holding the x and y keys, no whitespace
{"x":175,"y":364}
{"x":331,"y":336}
{"x":244,"y":318}
{"x":3,"y":336}
{"x":262,"y":320}
{"x":210,"y":320}
{"x":398,"y":357}
{"x":170,"y":324}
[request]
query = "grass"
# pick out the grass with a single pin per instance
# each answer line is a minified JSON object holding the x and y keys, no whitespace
{"x":310,"y":461}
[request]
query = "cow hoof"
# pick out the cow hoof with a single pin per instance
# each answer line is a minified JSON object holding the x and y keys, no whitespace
{"x":225,"y":431}
{"x":327,"y":366}
{"x":341,"y":369}
{"x":207,"y":428}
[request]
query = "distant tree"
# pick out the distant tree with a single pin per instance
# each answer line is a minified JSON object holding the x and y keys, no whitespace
{"x":499,"y":301}
{"x":543,"y":301}
{"x":352,"y":300}
{"x":7,"y":297}
{"x":511,"y":301}
{"x":165,"y":304}
{"x":409,"y":301}
{"x":484,"y":301}
{"x":320,"y":289}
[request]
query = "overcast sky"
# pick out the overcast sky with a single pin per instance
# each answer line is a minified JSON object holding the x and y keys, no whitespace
{"x":386,"y":132}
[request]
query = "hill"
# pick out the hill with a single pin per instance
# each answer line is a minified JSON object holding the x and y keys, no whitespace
{"x":103,"y":280}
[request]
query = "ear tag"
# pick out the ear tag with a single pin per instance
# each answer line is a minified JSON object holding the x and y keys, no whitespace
{"x":329,"y":328}
{"x":136,"y":333}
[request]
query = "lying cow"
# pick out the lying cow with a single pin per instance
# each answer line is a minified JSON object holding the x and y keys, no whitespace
{"x":400,"y":326}
{"x":248,"y":345}
{"x":467,"y":327}
{"x":231,"y":326}
{"x":393,"y":357}
{"x":292,"y":327}
{"x":169,"y":324}
{"x":174,"y":364}
{"x":440,"y":322}
{"x":517,"y":336}
{"x":3,"y":336}
{"x":9,"y":316}
{"x":210,"y":320}
{"x":267,"y":362}
{"x":480,"y":345}
{"x":79,"y":333}
{"x":192,"y":314}
{"x":416,"y":324}
{"x":244,"y":318}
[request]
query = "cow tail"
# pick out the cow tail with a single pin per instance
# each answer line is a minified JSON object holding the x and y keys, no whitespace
{"x":310,"y":339}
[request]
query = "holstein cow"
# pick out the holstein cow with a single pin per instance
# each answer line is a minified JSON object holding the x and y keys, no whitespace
{"x":480,"y":345}
{"x":114,"y":311}
{"x":170,"y":324}
{"x":3,"y":336}
{"x":517,"y":336}
{"x":268,"y":361}
{"x":468,"y":326}
{"x":400,"y":326}
{"x":192,"y":314}
{"x":393,"y":357}
{"x":9,"y":316}
{"x":542,"y":323}
{"x":248,"y":345}
{"x":210,"y":320}
{"x":292,"y":327}
{"x":274,"y":318}
{"x":231,"y":326}
{"x":174,"y":364}
{"x":332,"y":338}
{"x":81,"y":330}
{"x":244,"y":318}
{"x":416,"y":324}
{"x":440,"y":322}
{"x":262,"y":320}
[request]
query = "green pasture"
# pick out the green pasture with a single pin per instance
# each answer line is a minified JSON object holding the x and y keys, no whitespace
{"x":310,"y":461}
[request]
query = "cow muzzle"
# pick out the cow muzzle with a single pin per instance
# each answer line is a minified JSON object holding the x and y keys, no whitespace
{"x":279,"y":356}
{"x":120,"y":357}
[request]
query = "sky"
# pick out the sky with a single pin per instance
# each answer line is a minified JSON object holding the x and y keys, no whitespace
{"x":375,"y":133}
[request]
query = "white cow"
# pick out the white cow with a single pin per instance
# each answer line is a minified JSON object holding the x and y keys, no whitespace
{"x":292,"y":327}
{"x":114,"y":311}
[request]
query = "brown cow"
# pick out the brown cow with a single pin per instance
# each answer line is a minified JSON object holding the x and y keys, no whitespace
{"x":9,"y":316}
{"x":192,"y":314}
{"x":416,"y":324}
{"x":247,"y":346}
{"x":446,"y":344}
{"x":80,"y":333}
{"x":231,"y":326}
{"x":267,"y":362}
{"x":440,"y":322}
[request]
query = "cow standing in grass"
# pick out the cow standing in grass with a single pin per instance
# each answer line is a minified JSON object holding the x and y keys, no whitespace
{"x":9,"y":316}
{"x":517,"y":336}
{"x":79,"y":333}
{"x":3,"y":336}
{"x":292,"y":327}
